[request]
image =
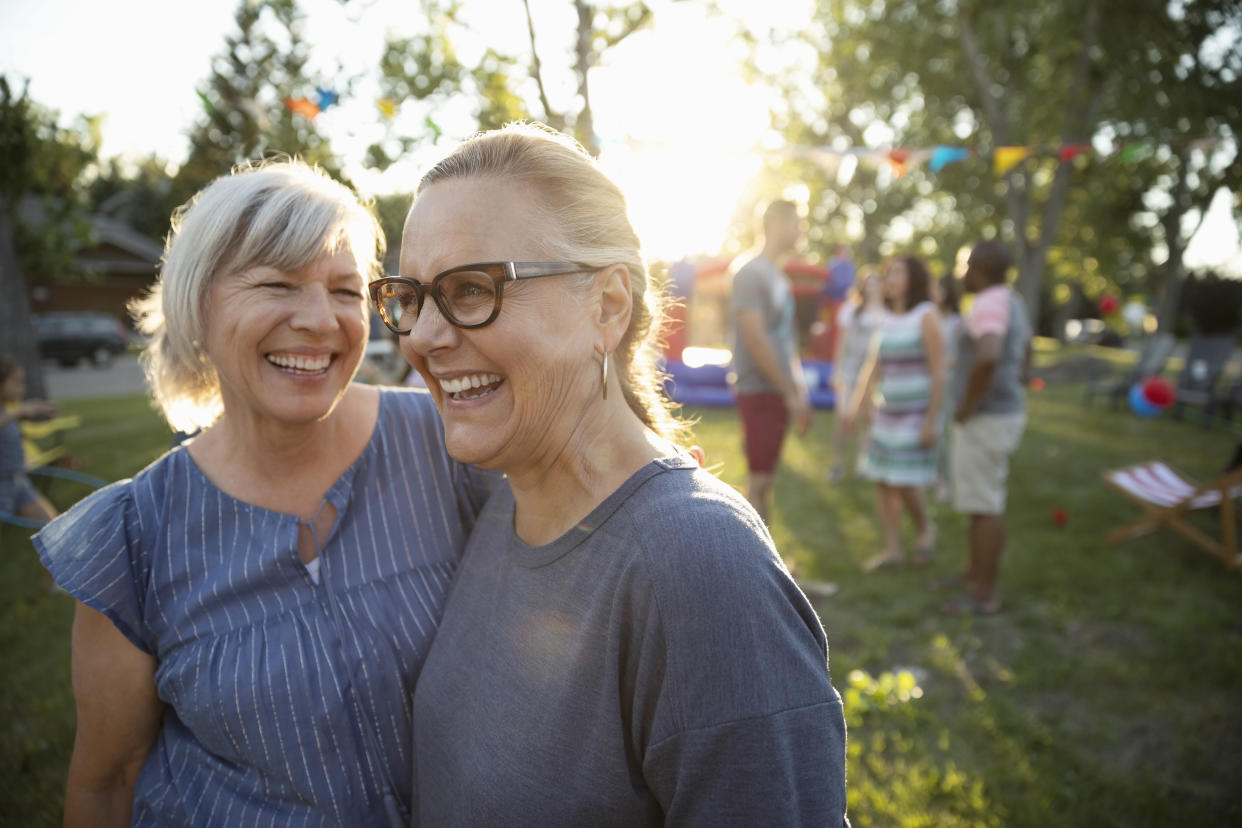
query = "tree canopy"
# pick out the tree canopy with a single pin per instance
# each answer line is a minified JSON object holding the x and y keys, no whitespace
{"x":900,"y":73}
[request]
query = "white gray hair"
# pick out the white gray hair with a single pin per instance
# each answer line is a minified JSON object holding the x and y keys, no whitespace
{"x":280,"y":214}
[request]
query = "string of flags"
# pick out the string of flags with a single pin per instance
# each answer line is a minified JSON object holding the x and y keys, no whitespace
{"x":309,"y":108}
{"x":1004,"y":158}
{"x":899,"y":159}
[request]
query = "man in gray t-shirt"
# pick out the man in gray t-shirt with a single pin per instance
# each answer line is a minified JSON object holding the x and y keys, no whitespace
{"x":768,"y":376}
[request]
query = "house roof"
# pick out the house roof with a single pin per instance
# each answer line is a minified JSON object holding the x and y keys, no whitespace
{"x":108,"y":230}
{"x":143,"y":252}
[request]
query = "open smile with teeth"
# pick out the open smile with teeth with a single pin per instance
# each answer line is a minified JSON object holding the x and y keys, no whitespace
{"x":300,"y":363}
{"x":471,"y":386}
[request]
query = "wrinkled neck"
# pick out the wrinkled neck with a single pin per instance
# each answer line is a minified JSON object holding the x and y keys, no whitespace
{"x":582,"y":467}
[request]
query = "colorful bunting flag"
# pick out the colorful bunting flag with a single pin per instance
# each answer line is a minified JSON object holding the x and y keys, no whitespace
{"x":1005,"y":159}
{"x":433,"y":126}
{"x":1069,"y":152}
{"x":942,"y":157}
{"x":898,"y":158}
{"x":301,"y":106}
{"x":1135,"y":152}
{"x":903,"y":159}
{"x":325,"y":97}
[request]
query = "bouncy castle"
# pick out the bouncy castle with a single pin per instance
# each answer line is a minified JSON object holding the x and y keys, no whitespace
{"x":698,"y":335}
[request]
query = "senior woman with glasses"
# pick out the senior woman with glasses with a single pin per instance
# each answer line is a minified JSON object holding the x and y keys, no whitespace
{"x":255,"y":605}
{"x":622,"y":645}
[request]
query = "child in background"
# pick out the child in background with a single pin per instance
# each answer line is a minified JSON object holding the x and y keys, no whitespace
{"x":17,"y":495}
{"x":857,"y":321}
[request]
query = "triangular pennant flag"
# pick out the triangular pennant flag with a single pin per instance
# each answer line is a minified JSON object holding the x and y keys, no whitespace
{"x":942,"y":157}
{"x":898,"y":158}
{"x":301,"y":106}
{"x":387,"y":108}
{"x":207,"y":106}
{"x":1134,"y":152}
{"x":325,"y":97}
{"x":1005,"y":158}
{"x":1069,"y":152}
{"x":433,"y":126}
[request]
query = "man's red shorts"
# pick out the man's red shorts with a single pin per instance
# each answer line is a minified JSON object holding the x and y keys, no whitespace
{"x":764,"y":421}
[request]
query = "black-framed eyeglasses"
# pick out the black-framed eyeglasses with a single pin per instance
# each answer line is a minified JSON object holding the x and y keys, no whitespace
{"x":468,"y":296}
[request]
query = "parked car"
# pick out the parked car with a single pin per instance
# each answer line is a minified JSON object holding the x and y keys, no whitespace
{"x":72,"y":336}
{"x":382,"y":363}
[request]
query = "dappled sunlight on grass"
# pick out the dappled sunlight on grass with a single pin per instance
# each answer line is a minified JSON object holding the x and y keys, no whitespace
{"x":1099,"y":696}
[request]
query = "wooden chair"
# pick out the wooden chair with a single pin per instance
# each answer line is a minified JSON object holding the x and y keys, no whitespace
{"x":1153,"y":354}
{"x":1196,"y":384}
{"x":1168,"y":497}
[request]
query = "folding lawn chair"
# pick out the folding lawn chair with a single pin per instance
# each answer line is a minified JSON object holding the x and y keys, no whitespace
{"x":1168,"y":497}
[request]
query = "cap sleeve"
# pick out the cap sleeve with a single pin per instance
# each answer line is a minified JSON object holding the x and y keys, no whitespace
{"x":92,"y":554}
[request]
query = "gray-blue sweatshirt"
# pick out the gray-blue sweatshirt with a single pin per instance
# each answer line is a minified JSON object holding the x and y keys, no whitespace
{"x":656,"y":665}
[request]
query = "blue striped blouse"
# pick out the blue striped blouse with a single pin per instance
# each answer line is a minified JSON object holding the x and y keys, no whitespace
{"x":288,"y":702}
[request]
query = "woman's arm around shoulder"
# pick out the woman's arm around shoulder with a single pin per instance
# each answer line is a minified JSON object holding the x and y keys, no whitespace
{"x":118,"y":721}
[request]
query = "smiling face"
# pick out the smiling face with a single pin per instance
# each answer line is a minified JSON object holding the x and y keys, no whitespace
{"x":286,"y":344}
{"x":510,"y":394}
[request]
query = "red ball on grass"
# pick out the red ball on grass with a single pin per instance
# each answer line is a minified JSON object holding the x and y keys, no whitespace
{"x":1059,"y":517}
{"x":1159,"y":391}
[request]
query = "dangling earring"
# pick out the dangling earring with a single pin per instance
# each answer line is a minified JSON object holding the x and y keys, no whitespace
{"x":603,"y":374}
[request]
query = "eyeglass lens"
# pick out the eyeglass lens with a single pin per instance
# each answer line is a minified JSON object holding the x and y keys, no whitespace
{"x":466,"y":297}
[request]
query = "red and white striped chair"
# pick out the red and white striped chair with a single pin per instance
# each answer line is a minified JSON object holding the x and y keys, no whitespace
{"x":1168,"y":497}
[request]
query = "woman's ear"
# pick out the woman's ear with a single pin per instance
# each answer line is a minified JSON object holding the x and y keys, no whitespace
{"x":615,"y":304}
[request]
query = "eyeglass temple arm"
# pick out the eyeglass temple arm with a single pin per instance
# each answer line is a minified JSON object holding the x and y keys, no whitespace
{"x":526,"y":270}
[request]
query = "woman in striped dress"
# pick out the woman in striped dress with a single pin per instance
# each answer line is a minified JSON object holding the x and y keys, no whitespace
{"x":255,"y":606}
{"x":906,"y":373}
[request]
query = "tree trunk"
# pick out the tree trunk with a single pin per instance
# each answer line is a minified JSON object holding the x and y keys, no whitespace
{"x":551,"y":118}
{"x":1174,"y":270}
{"x":17,"y":334}
{"x":584,"y":124}
{"x":1032,"y":262}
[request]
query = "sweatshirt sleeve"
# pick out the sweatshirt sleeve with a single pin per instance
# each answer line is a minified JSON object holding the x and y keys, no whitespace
{"x":746,"y":727}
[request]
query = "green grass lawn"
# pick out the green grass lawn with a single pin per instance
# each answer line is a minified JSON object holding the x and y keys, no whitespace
{"x":1106,"y":693}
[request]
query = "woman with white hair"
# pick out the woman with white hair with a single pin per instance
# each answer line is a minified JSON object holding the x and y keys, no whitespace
{"x":622,"y":645}
{"x":255,"y":605}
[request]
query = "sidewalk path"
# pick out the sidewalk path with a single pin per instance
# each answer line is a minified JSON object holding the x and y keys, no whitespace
{"x":120,"y":379}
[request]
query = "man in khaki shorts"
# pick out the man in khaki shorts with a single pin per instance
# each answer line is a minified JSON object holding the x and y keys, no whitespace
{"x":993,"y":363}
